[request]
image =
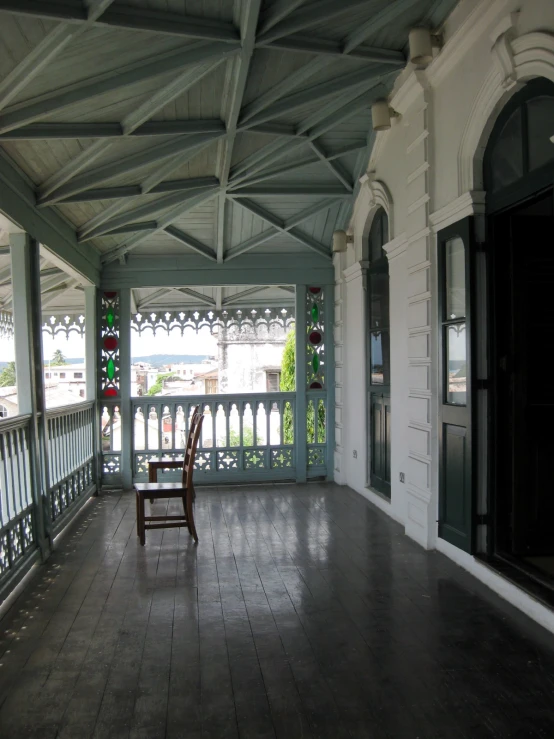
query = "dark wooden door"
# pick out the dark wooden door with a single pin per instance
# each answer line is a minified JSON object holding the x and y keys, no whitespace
{"x":456,"y":477}
{"x":380,"y":435}
{"x":528,"y":437}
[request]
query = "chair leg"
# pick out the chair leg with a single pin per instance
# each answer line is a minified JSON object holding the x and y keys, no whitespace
{"x":141,"y":514}
{"x":190,"y":514}
{"x":138,"y":512}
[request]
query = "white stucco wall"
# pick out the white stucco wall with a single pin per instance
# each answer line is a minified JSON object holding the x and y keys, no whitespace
{"x":426,"y":172}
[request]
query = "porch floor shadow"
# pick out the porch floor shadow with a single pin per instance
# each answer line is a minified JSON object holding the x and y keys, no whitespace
{"x":302,"y":612}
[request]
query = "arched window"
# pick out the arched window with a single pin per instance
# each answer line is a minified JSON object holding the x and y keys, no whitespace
{"x":520,"y":153}
{"x":379,"y":355}
{"x":3,"y":411}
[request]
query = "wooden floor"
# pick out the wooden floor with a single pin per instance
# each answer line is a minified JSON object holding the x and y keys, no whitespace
{"x":303,"y":612}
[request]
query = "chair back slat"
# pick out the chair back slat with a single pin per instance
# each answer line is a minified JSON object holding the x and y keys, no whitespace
{"x":188,"y":467}
{"x":192,"y":427}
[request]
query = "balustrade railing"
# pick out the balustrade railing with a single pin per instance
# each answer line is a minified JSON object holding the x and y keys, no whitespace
{"x":70,"y":440}
{"x":246,"y":437}
{"x":17,"y":514}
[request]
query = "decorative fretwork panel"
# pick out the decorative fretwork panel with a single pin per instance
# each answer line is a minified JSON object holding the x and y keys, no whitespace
{"x":109,"y":345}
{"x":257,"y":322}
{"x":64,"y":325}
{"x":315,"y":338}
{"x":6,"y":325}
{"x":111,"y":464}
{"x":242,"y":436}
{"x":316,"y":456}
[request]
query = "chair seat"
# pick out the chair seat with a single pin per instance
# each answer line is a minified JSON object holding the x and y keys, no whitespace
{"x":160,"y":489}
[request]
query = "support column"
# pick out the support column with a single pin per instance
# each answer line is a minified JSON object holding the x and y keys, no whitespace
{"x":91,"y":330}
{"x":125,"y":387}
{"x":300,"y":431}
{"x":330,"y":378}
{"x":25,"y":258}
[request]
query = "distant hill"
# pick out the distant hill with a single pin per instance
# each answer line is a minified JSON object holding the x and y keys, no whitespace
{"x":157,"y":360}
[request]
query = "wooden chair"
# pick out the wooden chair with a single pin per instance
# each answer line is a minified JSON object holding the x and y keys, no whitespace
{"x":183,"y":489}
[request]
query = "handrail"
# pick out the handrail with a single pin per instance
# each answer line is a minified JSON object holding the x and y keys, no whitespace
{"x":15,"y":422}
{"x":209,"y":398}
{"x":66,"y":410}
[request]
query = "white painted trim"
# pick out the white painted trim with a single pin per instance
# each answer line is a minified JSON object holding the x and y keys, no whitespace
{"x":354,"y":271}
{"x":500,"y":585}
{"x":533,"y":56}
{"x":468,"y":204}
{"x":464,"y":37}
{"x":379,"y":502}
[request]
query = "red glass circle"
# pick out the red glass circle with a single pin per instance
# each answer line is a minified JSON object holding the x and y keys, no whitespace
{"x":110,"y":392}
{"x":314,"y":290}
{"x":315,"y":337}
{"x":110,"y":343}
{"x":110,"y":295}
{"x":316,"y":386}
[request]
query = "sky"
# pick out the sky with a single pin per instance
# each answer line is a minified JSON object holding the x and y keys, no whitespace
{"x":144,"y":345}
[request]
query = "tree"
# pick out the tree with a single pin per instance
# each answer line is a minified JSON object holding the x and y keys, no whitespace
{"x":58,"y":359}
{"x":288,"y":384}
{"x":8,"y":375}
{"x":157,"y":387}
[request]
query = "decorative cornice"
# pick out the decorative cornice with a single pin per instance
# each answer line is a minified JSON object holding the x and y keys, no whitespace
{"x":396,"y":247}
{"x":501,"y":50}
{"x":470,"y":203}
{"x":355,"y":270}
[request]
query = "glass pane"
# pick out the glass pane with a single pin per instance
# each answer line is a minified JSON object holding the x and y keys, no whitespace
{"x":379,"y":297}
{"x":455,"y":288}
{"x":380,"y":358}
{"x":540,"y":112}
{"x":456,"y":357}
{"x":507,"y":155}
{"x":378,"y":235}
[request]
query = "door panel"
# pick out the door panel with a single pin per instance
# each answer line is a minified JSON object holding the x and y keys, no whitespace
{"x":456,"y":476}
{"x":533,"y":389}
{"x":380,"y":469}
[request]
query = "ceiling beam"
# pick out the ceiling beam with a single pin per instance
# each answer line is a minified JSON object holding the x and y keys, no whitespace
{"x":327,"y":47}
{"x":376,"y":23}
{"x":51,"y":102}
{"x":270,"y":233}
{"x":150,"y":299}
{"x":294,"y":233}
{"x":238,"y":297}
{"x":191,"y":242}
{"x":299,"y":164}
{"x":130,"y":123}
{"x":129,"y":228}
{"x":50,"y":297}
{"x":145,"y":210}
{"x":274,"y":129}
{"x":278,"y":91}
{"x":361,"y":79}
{"x":278,"y":11}
{"x":311,"y":14}
{"x":289,"y":190}
{"x":241,"y":66}
{"x":163,"y":223}
{"x":166,"y":94}
{"x":123,"y":16}
{"x":196,"y":295}
{"x":189,"y":145}
{"x":218,"y":297}
{"x":130,"y":191}
{"x":114,"y":130}
{"x":133,"y":302}
{"x":46,"y":51}
{"x":334,"y":167}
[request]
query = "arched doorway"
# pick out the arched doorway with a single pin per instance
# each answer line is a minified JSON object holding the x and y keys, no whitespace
{"x":519,"y":180}
{"x":378,"y":381}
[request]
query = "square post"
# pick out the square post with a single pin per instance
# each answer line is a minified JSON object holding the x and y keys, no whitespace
{"x":91,"y":377}
{"x":330,"y":379}
{"x":27,"y":316}
{"x":125,"y":387}
{"x":300,"y":429}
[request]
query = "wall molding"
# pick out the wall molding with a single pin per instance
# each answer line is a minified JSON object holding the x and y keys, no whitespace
{"x":396,"y":247}
{"x":468,"y":204}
